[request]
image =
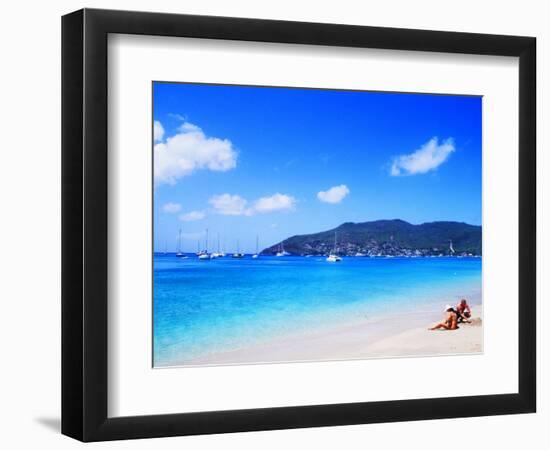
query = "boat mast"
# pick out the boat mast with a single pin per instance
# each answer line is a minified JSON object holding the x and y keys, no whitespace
{"x":206,"y":242}
{"x":179,"y":242}
{"x":257,"y":244}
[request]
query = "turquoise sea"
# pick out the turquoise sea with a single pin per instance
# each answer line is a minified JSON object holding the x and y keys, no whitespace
{"x":204,"y":307}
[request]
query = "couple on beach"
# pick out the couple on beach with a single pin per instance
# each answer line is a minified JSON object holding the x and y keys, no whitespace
{"x":454,"y":316}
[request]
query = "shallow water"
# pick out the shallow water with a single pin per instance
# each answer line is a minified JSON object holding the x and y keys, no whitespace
{"x":205,"y":307}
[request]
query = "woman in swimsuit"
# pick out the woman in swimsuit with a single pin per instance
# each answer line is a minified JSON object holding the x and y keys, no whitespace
{"x":450,"y":322}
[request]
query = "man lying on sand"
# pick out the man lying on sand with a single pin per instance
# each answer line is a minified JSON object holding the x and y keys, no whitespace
{"x":463,"y":311}
{"x":450,"y":322}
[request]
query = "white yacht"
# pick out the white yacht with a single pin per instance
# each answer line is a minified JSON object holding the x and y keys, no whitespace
{"x":255,"y":255}
{"x":237,"y":254}
{"x":333,"y":257}
{"x":222,"y":253}
{"x":451,"y":249}
{"x":281,"y":251}
{"x":179,"y":253}
{"x":204,"y":254}
{"x":217,"y":254}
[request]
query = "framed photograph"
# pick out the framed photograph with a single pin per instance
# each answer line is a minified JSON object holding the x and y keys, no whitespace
{"x":273,"y":224}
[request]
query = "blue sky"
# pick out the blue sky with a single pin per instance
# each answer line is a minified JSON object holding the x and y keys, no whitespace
{"x":275,"y":162}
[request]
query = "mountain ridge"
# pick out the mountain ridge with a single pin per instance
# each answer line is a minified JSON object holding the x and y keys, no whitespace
{"x":393,"y":237}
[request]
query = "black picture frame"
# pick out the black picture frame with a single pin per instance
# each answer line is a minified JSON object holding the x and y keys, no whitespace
{"x":84,"y":224}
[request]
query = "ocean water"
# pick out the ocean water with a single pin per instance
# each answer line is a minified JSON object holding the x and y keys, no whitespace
{"x":204,"y":307}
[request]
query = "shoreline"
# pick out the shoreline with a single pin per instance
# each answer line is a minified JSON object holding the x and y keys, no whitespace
{"x":394,"y":335}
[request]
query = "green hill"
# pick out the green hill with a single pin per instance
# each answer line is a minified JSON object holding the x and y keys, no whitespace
{"x":387,"y":237}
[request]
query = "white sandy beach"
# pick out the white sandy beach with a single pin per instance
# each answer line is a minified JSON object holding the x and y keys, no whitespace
{"x":421,"y":341}
{"x":392,"y":336}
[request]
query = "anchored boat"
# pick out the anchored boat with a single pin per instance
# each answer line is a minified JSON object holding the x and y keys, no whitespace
{"x":333,"y":257}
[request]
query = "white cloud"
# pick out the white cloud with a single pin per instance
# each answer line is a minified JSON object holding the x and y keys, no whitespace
{"x":276,"y":202}
{"x":334,"y":195}
{"x":428,"y":157}
{"x":230,"y":205}
{"x":192,"y":216}
{"x":187,"y":127}
{"x":235,"y":205}
{"x":178,"y":117}
{"x":171,"y":208}
{"x":158,"y":131}
{"x":190,"y":150}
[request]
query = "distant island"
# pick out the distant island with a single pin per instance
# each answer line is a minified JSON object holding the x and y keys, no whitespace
{"x":387,"y":238}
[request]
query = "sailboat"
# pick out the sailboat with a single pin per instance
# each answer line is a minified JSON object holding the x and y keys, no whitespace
{"x":451,"y":249}
{"x":281,"y":251}
{"x":217,"y":254}
{"x":204,"y":254}
{"x":255,"y":255}
{"x":179,"y":254}
{"x":238,"y":254}
{"x":333,"y":257}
